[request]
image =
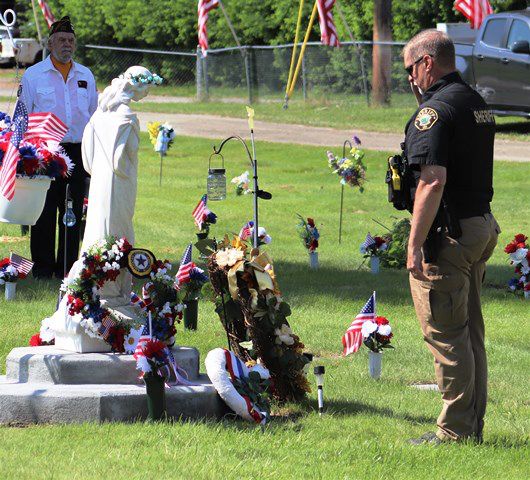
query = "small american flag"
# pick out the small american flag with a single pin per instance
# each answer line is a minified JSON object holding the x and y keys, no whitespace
{"x":200,"y":212}
{"x":23,"y":265}
{"x":45,"y":125}
{"x":246,"y":231}
{"x":474,"y":10}
{"x":328,"y":32}
{"x":48,"y":15}
{"x":144,"y":337}
{"x":368,"y":242}
{"x":353,"y":337}
{"x":186,"y":266}
{"x":106,"y":324}
{"x":8,"y":173}
{"x":203,"y":8}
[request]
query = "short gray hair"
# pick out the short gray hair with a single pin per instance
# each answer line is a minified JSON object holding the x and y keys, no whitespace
{"x":435,"y":43}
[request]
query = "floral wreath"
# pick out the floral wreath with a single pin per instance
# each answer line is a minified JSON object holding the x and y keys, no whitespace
{"x":144,"y":79}
{"x":101,"y":263}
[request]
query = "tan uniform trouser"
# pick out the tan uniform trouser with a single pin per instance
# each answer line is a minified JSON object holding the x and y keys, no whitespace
{"x":449,"y":312}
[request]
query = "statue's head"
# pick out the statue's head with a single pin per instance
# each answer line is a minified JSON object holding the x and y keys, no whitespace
{"x":134,"y":84}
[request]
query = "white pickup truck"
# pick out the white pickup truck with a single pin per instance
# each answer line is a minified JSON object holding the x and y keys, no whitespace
{"x":27,"y":50}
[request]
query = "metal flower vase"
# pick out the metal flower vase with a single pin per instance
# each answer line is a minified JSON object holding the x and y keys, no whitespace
{"x":156,"y":396}
{"x":11,"y":289}
{"x":191,"y":314}
{"x":375,"y":364}
{"x":374,"y":264}
{"x":313,"y":260}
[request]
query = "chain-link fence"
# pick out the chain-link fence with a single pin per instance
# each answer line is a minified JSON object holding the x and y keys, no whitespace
{"x":253,"y":73}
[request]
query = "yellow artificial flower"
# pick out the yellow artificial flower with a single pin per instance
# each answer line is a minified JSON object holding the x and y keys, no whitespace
{"x":153,"y":128}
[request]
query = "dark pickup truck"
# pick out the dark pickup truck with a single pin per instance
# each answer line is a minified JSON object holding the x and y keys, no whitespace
{"x":497,"y":65}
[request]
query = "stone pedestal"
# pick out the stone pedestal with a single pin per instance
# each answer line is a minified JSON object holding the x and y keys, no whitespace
{"x":49,"y":385}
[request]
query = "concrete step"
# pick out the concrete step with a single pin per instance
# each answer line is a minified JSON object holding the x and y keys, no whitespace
{"x":49,"y":365}
{"x":26,"y":403}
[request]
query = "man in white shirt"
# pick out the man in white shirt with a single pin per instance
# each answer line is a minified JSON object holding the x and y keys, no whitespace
{"x":67,"y":89}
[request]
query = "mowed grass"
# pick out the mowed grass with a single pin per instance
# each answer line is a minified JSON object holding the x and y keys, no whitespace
{"x":367,"y":423}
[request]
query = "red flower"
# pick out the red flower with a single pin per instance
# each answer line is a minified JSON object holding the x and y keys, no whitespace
{"x":311,"y":222}
{"x":520,"y":238}
{"x":31,"y":166}
{"x":117,"y":336}
{"x":153,"y":348}
{"x":521,"y":245}
{"x":381,"y":321}
{"x":527,"y":287}
{"x":511,"y":247}
{"x":126,"y":246}
{"x":35,"y":341}
{"x":4,"y":262}
{"x":379,"y":241}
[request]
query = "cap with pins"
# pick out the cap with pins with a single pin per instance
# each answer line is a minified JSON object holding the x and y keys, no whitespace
{"x":62,"y":25}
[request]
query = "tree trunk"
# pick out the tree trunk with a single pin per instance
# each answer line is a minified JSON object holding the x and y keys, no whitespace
{"x":382,"y":54}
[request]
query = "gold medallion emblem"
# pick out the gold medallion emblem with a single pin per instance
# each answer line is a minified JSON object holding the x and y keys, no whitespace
{"x":425,"y":119}
{"x":140,"y":262}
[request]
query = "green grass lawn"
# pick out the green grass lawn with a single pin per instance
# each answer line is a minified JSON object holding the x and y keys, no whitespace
{"x":365,"y":430}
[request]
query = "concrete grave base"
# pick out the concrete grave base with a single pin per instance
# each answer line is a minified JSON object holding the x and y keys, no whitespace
{"x":48,"y":385}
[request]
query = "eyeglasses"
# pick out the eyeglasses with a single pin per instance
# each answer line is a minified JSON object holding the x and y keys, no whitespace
{"x":410,"y":68}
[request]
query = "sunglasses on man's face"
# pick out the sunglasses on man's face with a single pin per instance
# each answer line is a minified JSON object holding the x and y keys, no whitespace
{"x":410,"y":68}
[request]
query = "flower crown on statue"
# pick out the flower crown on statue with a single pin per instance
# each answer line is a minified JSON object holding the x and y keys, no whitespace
{"x":144,"y":79}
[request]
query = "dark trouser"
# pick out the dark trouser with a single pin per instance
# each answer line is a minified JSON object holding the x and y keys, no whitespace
{"x":450,"y":315}
{"x":43,"y":232}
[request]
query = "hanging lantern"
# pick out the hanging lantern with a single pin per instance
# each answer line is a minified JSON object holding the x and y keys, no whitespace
{"x":216,"y":181}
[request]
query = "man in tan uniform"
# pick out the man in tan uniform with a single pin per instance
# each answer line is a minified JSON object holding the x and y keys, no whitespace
{"x":449,"y":145}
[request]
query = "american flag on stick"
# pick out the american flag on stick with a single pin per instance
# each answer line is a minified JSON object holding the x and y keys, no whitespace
{"x":246,"y":231}
{"x":368,"y":242}
{"x":203,"y":8}
{"x":474,"y":10}
{"x":23,"y":265}
{"x":353,"y":338}
{"x":8,"y":171}
{"x":200,"y":212}
{"x":328,"y":32}
{"x":106,"y":324}
{"x":186,"y":266}
{"x":144,"y":337}
{"x":46,"y":126}
{"x":48,"y":15}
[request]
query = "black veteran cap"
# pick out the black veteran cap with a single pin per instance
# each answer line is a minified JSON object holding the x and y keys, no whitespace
{"x":62,"y":25}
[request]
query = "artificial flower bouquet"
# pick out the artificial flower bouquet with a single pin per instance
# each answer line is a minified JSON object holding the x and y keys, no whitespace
{"x":8,"y":272}
{"x":377,"y":334}
{"x":253,"y":312}
{"x":247,"y":234}
{"x":351,"y":170}
{"x":373,"y":246}
{"x":308,"y":233}
{"x":36,"y":157}
{"x":161,"y":135}
{"x":191,"y":288}
{"x":519,"y":253}
{"x":242,"y":183}
{"x":152,"y":358}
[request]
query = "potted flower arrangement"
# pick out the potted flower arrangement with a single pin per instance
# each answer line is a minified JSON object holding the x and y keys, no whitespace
{"x":376,"y":336}
{"x":40,"y":160}
{"x":203,"y":217}
{"x":371,"y":248}
{"x":153,"y":360}
{"x":190,"y":279}
{"x":310,"y":235}
{"x":242,"y":183}
{"x":9,"y":275}
{"x":519,"y":253}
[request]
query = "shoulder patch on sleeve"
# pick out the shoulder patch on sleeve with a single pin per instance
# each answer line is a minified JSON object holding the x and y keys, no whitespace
{"x":425,"y":119}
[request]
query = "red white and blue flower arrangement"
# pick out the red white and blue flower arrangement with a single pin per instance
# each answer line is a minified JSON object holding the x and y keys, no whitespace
{"x":519,"y":253}
{"x":352,"y":171}
{"x":203,"y":217}
{"x":308,"y":233}
{"x":373,"y":246}
{"x":37,"y":158}
{"x":377,"y":334}
{"x":8,"y":272}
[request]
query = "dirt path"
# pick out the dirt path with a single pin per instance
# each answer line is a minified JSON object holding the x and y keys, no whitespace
{"x":215,"y":127}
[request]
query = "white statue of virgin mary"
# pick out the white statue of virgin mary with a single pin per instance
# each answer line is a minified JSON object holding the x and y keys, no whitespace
{"x":110,"y":156}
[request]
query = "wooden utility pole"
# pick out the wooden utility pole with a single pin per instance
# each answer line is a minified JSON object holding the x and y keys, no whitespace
{"x":382,"y":54}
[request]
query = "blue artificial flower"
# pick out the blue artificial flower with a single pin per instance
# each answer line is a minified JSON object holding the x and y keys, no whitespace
{"x":28,"y":152}
{"x":211,"y":218}
{"x":513,"y":284}
{"x":198,"y":275}
{"x":54,"y":169}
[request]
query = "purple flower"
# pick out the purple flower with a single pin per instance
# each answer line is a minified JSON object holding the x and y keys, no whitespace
{"x":356,"y":140}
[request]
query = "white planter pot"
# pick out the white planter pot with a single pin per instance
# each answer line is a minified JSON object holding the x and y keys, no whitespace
{"x":374,"y":264}
{"x":375,"y":364}
{"x":313,"y":260}
{"x":11,"y":288}
{"x":27,"y":204}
